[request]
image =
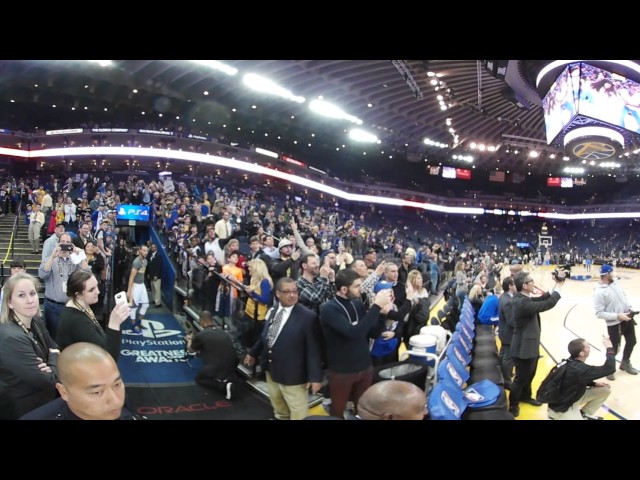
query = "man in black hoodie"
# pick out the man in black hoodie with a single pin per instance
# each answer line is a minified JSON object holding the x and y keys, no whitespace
{"x":582,"y":395}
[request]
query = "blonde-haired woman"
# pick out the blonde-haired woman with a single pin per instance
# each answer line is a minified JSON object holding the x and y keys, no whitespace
{"x":420,"y":305}
{"x":476,"y":298}
{"x":28,"y":354}
{"x":260,"y":294}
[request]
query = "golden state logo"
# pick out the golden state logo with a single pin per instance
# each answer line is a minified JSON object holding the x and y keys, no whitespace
{"x":590,"y":149}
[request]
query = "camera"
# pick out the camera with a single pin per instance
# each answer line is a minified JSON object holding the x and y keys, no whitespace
{"x":66,"y":247}
{"x":632,"y":314}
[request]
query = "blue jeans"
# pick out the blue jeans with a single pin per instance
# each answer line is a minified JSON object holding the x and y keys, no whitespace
{"x":52,"y":313}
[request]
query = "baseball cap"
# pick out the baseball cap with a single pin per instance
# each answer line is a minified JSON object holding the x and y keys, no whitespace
{"x":381,"y":285}
{"x":285,"y":242}
{"x":604,"y":269}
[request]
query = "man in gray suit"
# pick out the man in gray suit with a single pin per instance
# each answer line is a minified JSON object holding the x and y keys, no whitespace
{"x":525,"y":344}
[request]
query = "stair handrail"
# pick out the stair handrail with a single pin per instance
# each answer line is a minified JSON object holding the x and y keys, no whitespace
{"x":14,"y":232}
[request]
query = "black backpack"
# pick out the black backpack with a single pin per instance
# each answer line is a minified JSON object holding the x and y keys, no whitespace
{"x":550,"y":390}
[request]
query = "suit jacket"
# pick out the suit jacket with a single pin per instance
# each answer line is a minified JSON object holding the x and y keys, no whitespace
{"x":294,"y":358}
{"x":526,"y":317}
{"x":505,"y":316}
{"x":154,"y":269}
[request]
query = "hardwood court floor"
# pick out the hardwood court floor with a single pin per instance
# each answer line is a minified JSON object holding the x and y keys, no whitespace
{"x":574,"y":317}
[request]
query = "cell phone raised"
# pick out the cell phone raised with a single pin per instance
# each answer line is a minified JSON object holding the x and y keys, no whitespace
{"x":121,"y":297}
{"x":66,"y":247}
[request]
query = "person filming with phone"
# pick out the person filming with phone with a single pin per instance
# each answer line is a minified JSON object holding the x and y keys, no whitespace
{"x":78,"y":322}
{"x":65,"y":259}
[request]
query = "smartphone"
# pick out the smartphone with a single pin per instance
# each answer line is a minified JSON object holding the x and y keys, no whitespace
{"x":121,"y":297}
{"x":66,"y":247}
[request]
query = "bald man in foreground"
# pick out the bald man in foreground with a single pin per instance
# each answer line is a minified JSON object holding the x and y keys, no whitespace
{"x":392,"y":400}
{"x":90,"y":387}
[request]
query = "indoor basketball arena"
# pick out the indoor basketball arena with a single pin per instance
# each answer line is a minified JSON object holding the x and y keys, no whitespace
{"x":319,"y":239}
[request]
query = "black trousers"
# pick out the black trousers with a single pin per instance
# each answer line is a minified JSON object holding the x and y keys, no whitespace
{"x":626,"y":330}
{"x":521,"y":385}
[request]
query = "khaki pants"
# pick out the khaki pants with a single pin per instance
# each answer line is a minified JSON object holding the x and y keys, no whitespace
{"x":590,"y":402}
{"x":34,"y":235}
{"x":155,"y":290}
{"x":289,"y":402}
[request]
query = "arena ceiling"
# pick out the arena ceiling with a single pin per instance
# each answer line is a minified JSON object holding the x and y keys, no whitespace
{"x":399,"y":101}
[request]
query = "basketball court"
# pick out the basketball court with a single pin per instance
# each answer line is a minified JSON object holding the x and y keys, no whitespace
{"x":574,"y":317}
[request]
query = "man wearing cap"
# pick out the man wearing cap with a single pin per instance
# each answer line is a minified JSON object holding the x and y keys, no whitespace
{"x":287,"y":264}
{"x":611,"y":305}
{"x":51,"y":243}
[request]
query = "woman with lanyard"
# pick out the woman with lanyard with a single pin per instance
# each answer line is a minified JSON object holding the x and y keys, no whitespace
{"x":28,"y":355}
{"x":78,"y":322}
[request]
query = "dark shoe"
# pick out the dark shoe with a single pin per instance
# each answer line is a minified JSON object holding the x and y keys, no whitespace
{"x":627,"y":367}
{"x":611,"y":377}
{"x":515,"y":411}
{"x":229,"y":391}
{"x":157,"y":306}
{"x":532,"y":401}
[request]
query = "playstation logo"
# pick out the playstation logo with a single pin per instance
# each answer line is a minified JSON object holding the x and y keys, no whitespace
{"x":154,"y":329}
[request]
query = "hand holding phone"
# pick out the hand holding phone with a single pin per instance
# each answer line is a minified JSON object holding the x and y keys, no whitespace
{"x":121,"y":297}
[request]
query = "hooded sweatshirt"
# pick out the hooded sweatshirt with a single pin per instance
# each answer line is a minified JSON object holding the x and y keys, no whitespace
{"x":609,"y":301}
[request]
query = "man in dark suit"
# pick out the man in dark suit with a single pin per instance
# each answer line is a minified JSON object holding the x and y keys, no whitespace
{"x":220,"y":359}
{"x":505,"y":330}
{"x":525,"y":344}
{"x":289,"y":350}
{"x":154,"y":274}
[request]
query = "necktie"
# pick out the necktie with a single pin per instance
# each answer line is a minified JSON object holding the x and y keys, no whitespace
{"x":274,"y":327}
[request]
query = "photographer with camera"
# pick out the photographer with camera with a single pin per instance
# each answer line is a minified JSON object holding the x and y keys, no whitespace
{"x":611,"y":305}
{"x":54,"y":272}
{"x":525,"y":344}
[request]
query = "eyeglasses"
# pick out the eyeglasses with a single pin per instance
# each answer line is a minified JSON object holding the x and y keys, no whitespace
{"x":289,"y":292}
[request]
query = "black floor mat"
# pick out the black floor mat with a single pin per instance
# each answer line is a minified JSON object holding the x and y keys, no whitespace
{"x":193,"y":402}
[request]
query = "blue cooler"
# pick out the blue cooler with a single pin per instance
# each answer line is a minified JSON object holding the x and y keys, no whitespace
{"x":421,"y":344}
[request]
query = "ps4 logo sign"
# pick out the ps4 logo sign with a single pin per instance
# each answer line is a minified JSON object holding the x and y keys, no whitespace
{"x":133,"y":212}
